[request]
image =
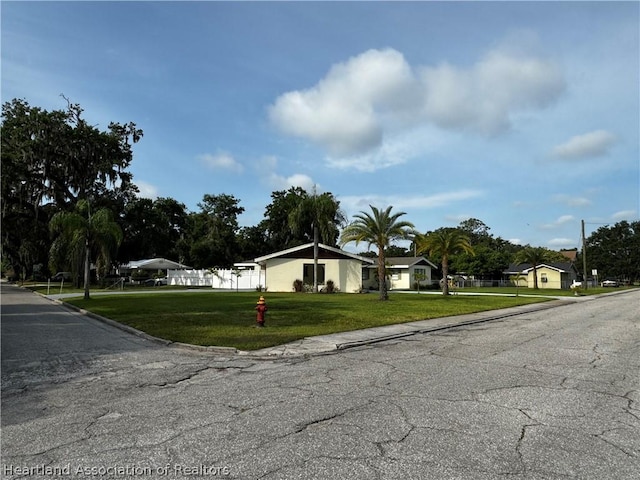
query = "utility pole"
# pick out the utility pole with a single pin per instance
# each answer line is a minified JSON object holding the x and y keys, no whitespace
{"x":584,"y":258}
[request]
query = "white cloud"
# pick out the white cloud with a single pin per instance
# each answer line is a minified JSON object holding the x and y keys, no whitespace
{"x":624,"y":215}
{"x":146,"y":190}
{"x":394,"y":151}
{"x":515,"y":241}
{"x":362,"y":105}
{"x":572,"y":201}
{"x":266,"y":169}
{"x":221,"y":161}
{"x":562,"y":220}
{"x":279,"y":182}
{"x":588,"y":145}
{"x":484,"y":97}
{"x":562,"y":242}
{"x":401,"y":202}
{"x":343,"y":111}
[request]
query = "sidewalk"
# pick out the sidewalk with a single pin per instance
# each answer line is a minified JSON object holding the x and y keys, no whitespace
{"x":323,"y":344}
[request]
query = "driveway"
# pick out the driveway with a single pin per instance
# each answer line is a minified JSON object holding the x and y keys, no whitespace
{"x":541,"y":395}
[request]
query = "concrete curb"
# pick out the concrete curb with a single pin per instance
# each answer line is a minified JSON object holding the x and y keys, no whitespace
{"x":538,"y":307}
{"x":139,"y":333}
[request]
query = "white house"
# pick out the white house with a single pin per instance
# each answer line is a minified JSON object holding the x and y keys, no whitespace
{"x":403,"y":273}
{"x":282,"y":269}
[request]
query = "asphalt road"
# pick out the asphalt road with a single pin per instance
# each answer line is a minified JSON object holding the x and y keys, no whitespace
{"x":553,"y":394}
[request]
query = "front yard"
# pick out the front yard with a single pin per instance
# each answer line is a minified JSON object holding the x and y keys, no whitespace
{"x":228,"y":318}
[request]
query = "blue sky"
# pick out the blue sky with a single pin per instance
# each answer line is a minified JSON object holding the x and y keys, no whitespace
{"x":525,"y":115}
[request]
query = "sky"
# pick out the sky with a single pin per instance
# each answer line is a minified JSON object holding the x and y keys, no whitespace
{"x":524,"y":115}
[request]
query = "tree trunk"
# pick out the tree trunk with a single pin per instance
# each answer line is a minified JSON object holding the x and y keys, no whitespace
{"x":382,"y":278}
{"x":315,"y":258}
{"x":87,"y":268}
{"x":535,"y":277}
{"x":445,"y":275}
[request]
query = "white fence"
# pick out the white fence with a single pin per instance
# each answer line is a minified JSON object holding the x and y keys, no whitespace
{"x":223,"y":279}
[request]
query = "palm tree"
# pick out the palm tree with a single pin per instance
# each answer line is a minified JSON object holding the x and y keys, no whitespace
{"x":378,"y":229}
{"x":444,"y":242}
{"x":534,"y":256}
{"x":81,"y":231}
{"x":322,"y":213}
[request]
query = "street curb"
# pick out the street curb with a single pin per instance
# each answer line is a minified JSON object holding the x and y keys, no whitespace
{"x":523,"y":309}
{"x":139,"y":333}
{"x":534,"y":308}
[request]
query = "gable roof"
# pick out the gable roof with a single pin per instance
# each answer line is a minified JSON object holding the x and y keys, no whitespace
{"x":408,"y":262}
{"x":154,"y":264}
{"x":306,"y":251}
{"x":562,"y":267}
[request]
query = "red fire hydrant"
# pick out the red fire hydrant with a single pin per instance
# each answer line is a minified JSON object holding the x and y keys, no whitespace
{"x":261,"y":308}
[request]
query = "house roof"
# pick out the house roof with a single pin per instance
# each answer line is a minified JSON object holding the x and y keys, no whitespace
{"x":572,"y":255}
{"x":306,"y":251}
{"x":245,"y":264}
{"x":407,"y":262}
{"x":154,"y":264}
{"x":562,"y":267}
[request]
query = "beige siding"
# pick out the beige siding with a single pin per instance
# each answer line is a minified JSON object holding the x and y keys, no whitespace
{"x":400,"y":278}
{"x":553,"y":278}
{"x":282,"y":272}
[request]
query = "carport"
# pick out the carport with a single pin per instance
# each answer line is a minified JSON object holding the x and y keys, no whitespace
{"x":151,"y":266}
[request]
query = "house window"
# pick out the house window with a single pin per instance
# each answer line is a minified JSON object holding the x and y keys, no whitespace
{"x":365,"y":274}
{"x":307,"y":273}
{"x":421,"y":272}
{"x":543,"y":277}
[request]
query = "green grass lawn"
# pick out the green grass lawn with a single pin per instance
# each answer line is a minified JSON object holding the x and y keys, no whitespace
{"x":228,"y":318}
{"x":553,"y":292}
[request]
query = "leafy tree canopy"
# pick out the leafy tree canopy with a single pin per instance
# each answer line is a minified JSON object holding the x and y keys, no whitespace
{"x":615,"y":251}
{"x":50,"y":161}
{"x":212,"y":233}
{"x":379,"y":228}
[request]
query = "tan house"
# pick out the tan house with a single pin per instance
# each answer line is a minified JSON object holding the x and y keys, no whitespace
{"x":550,"y":275}
{"x":402,"y":273}
{"x":283,"y":268}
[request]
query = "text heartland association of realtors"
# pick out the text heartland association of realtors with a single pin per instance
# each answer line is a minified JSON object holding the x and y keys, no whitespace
{"x":116,"y":470}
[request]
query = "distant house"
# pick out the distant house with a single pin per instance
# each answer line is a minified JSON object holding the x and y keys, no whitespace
{"x":403,"y":273}
{"x":550,"y":275}
{"x":282,"y":268}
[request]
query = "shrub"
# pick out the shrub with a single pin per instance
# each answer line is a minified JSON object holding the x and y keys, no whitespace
{"x":298,"y":286}
{"x":330,"y":287}
{"x":139,"y":275}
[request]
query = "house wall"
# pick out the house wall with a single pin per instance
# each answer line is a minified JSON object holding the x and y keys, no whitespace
{"x":346,"y":274}
{"x":427,"y":272}
{"x":399,"y":278}
{"x":554,"y":279}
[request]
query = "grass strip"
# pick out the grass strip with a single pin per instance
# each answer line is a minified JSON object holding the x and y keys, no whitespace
{"x":228,"y":318}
